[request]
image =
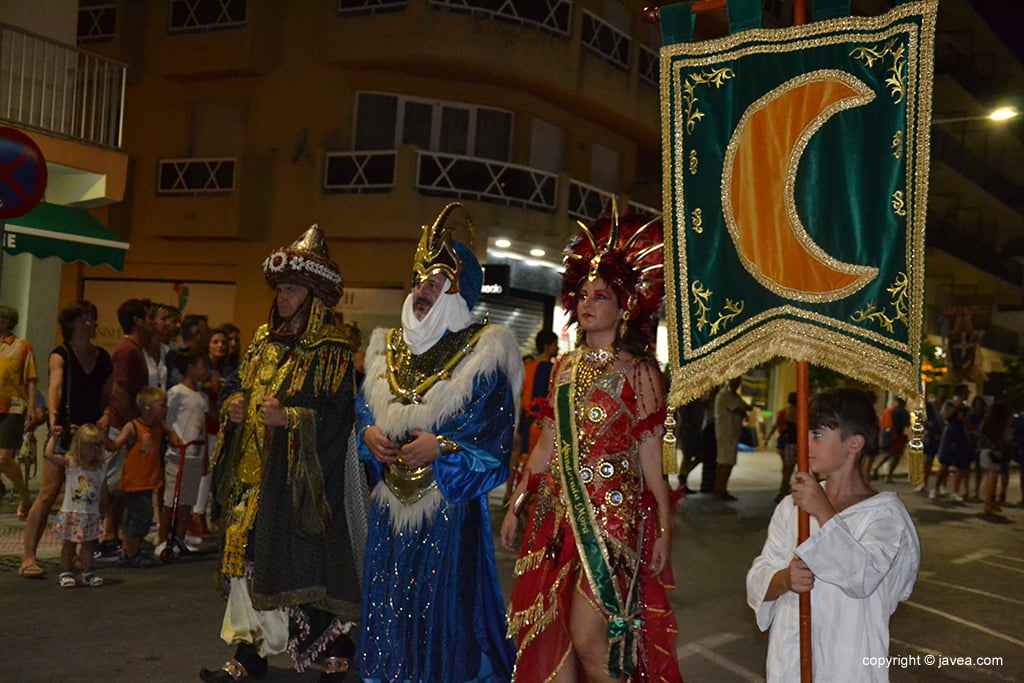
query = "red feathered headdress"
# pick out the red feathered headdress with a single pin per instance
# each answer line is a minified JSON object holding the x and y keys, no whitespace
{"x":628,"y":254}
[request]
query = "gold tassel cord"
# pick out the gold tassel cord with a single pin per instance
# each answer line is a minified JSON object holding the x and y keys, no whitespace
{"x":915,"y":457}
{"x":669,"y":458}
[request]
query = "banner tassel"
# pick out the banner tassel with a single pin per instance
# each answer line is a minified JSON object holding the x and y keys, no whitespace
{"x":669,"y":458}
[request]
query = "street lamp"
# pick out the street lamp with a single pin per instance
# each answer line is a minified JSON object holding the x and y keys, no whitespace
{"x":1000,"y":114}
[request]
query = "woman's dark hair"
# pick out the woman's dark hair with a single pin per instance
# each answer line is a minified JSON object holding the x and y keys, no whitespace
{"x":72,"y":312}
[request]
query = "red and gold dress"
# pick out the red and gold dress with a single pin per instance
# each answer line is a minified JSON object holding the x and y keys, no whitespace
{"x":593,"y":527}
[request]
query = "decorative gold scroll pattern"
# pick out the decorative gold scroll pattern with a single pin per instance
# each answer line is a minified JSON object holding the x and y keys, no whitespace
{"x":702,"y":299}
{"x":895,"y":81}
{"x":898,"y":290}
{"x":715,"y":77}
{"x":693,"y":162}
{"x":899,"y":207}
{"x":897,"y":144}
{"x":697,"y":217}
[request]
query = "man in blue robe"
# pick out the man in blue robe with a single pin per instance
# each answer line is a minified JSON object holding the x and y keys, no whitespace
{"x":436,"y":418}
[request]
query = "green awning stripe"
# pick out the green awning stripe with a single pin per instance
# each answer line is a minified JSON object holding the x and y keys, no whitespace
{"x":67,"y":237}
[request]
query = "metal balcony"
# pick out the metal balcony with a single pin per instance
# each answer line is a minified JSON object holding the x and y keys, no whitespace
{"x":58,"y":88}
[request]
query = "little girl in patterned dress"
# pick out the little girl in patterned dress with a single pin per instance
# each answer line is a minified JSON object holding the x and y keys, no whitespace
{"x":80,"y":519}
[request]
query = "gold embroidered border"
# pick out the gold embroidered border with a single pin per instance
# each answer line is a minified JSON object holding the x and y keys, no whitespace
{"x":865,"y":274}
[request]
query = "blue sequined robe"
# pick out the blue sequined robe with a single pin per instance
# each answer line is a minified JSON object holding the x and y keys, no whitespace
{"x":432,"y":606}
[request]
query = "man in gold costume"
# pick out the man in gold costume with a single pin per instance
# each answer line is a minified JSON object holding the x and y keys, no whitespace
{"x":436,"y":418}
{"x":289,"y":480}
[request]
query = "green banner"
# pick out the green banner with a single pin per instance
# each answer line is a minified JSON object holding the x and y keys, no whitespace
{"x":796,"y":183}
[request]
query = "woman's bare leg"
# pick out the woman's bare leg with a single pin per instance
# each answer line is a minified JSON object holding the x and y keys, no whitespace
{"x":588,"y":631}
{"x":53,"y":478}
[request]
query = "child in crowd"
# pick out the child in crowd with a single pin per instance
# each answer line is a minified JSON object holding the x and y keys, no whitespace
{"x":187,"y":406}
{"x":859,"y":562}
{"x":80,"y":519}
{"x":143,"y":439}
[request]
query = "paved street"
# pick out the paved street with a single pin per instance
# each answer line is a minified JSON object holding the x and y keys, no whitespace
{"x":162,"y":624}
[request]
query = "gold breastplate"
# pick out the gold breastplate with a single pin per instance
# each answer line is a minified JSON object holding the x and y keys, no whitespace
{"x":409,"y":484}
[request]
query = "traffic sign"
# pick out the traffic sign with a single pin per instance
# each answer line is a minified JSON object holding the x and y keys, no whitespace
{"x":22,"y":173}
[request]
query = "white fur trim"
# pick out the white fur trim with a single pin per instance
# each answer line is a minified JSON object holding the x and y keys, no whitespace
{"x":495,"y":350}
{"x":402,"y":517}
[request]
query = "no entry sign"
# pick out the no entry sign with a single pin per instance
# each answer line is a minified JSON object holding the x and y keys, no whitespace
{"x":22,"y":173}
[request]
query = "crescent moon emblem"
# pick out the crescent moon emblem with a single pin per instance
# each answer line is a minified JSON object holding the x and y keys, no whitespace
{"x":758,"y":188}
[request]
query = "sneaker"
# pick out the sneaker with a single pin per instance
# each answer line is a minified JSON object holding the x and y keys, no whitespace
{"x":942,"y":491}
{"x":955,"y":498}
{"x":107,"y":549}
{"x":919,"y":488}
{"x":159,"y":549}
{"x":932,"y":495}
{"x":193,"y":541}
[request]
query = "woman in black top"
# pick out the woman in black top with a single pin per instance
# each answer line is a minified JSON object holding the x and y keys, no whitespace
{"x":79,"y":387}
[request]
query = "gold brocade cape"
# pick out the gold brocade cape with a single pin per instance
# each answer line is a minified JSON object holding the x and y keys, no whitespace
{"x":286,"y":490}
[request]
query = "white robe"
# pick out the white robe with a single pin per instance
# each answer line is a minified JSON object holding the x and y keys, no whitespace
{"x":865,"y":562}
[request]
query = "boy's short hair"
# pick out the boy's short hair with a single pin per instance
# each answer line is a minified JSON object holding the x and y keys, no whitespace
{"x":544,"y":338}
{"x":184,"y":358}
{"x":150,"y":396}
{"x":851,"y":411}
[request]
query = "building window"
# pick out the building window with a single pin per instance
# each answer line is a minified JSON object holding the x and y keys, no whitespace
{"x":96,"y":21}
{"x":206,"y":15}
{"x":370,"y":6}
{"x":385,"y":121}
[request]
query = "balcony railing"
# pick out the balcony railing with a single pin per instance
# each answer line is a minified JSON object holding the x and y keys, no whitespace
{"x":206,"y":15}
{"x":60,"y":89}
{"x":359,"y":172}
{"x":553,"y":16}
{"x":195,"y":176}
{"x":588,"y":203}
{"x":608,"y":42}
{"x":450,"y":175}
{"x":647,"y":212}
{"x":97,"y":22}
{"x":370,"y":6}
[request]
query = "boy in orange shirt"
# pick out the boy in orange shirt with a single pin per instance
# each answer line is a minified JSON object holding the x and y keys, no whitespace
{"x":143,"y":471}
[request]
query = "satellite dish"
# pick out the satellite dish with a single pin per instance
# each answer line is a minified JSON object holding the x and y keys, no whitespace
{"x":300,"y":145}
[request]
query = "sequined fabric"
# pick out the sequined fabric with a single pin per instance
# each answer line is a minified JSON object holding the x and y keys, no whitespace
{"x":432,"y":606}
{"x":549,"y":569}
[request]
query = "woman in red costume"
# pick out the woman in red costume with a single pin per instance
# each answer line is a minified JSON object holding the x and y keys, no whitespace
{"x":589,"y":600}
